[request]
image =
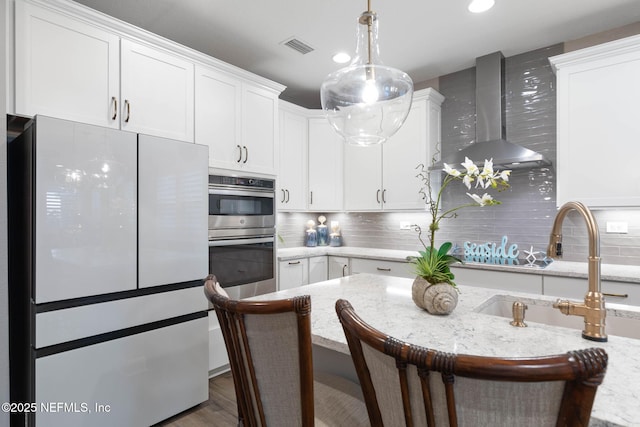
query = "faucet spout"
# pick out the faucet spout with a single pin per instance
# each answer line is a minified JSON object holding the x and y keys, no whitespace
{"x":593,"y":309}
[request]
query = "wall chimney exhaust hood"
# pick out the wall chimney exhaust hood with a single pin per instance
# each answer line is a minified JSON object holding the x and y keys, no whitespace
{"x":490,"y":124}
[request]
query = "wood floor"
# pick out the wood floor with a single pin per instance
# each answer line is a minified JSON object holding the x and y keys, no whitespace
{"x":219,"y":411}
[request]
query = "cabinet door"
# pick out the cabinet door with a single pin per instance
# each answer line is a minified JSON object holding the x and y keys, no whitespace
{"x":598,"y":110}
{"x":217,"y":116}
{"x":576,"y":288}
{"x":318,"y":269}
{"x":363,"y":189}
{"x":259,"y":129}
{"x":173,"y":243}
{"x":505,"y":280}
{"x":400,"y":156}
{"x":293,"y":273}
{"x":292,"y":177}
{"x":325,"y":167}
{"x":65,"y":68}
{"x":385,"y":268}
{"x":157,"y":92}
{"x":338,"y":267}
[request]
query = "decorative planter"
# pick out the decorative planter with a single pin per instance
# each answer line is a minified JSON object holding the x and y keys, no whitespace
{"x":440,"y":298}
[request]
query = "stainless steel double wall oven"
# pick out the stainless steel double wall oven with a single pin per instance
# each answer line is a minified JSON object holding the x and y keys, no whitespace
{"x":242,"y":234}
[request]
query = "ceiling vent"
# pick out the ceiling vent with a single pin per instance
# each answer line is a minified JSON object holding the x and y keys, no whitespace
{"x":298,"y":45}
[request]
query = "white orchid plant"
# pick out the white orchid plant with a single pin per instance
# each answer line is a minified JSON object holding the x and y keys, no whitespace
{"x":433,"y":264}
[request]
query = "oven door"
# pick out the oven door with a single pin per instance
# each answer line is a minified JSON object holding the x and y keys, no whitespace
{"x":244,"y":266}
{"x":240,"y":208}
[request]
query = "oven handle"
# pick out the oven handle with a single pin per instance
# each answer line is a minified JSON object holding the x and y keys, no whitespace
{"x":250,"y":241}
{"x":242,"y":193}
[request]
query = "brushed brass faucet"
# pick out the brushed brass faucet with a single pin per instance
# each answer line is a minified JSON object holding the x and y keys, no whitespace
{"x":592,"y":309}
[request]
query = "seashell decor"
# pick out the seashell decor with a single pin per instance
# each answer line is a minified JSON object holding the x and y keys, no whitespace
{"x":440,"y":298}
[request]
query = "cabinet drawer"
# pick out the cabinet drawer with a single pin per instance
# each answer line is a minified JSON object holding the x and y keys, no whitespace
{"x":505,"y":280}
{"x":385,"y":268}
{"x":576,"y":288}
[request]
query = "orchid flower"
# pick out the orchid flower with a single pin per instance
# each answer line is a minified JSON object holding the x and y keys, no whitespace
{"x":471,"y":167}
{"x":486,"y":199}
{"x":487,"y":170}
{"x":450,"y":171}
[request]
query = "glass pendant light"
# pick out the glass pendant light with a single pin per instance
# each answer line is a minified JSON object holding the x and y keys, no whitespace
{"x":367,"y":102}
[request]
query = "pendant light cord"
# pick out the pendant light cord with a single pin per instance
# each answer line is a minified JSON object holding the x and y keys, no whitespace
{"x":369,"y":31}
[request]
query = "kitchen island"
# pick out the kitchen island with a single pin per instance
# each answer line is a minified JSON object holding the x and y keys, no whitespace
{"x":385,"y":303}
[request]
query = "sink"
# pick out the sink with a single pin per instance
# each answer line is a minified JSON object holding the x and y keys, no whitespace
{"x":620,"y":322}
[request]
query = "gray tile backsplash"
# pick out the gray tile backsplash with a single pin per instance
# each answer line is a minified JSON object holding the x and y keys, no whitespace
{"x":528,"y":207}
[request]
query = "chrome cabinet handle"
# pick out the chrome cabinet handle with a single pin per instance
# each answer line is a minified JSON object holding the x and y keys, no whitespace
{"x":287,"y":195}
{"x":606,"y":294}
{"x":378,"y":196}
{"x":239,"y":154}
{"x":127,"y":107}
{"x":311,"y":201}
{"x":114,"y":104}
{"x":246,"y":153}
{"x":294,"y":262}
{"x":384,"y":200}
{"x":283,"y":196}
{"x":383,"y":269}
{"x":344,"y":269}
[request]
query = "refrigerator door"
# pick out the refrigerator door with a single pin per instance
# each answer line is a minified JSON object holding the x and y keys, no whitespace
{"x":173,"y":243}
{"x":85,"y":210}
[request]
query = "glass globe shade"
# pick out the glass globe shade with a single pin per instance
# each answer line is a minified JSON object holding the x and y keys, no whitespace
{"x":367,"y":102}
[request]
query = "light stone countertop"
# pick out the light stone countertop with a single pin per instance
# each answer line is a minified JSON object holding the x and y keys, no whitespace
{"x":386,"y":304}
{"x":614,"y":272}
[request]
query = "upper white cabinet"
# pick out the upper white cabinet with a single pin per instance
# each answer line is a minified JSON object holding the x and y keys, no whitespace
{"x":65,"y":68}
{"x":70,"y":69}
{"x":325,"y":167}
{"x":292,"y":171}
{"x":156,"y":92}
{"x":74,"y":63}
{"x":384,"y":177}
{"x":598,"y":110}
{"x":237,"y":120}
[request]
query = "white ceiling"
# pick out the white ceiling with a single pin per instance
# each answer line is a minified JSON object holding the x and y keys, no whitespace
{"x":425,"y":38}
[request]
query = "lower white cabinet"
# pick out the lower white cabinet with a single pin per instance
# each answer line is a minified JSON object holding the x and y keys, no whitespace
{"x":505,"y":280}
{"x":338,"y":267}
{"x":218,"y":357}
{"x":382,"y":267}
{"x":131,"y":381}
{"x":318,"y":269}
{"x":576,"y":288}
{"x":293,"y":273}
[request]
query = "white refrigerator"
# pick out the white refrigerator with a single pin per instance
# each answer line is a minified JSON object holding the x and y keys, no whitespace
{"x":108,"y":247}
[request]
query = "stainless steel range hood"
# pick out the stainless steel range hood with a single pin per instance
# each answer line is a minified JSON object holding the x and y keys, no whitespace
{"x":490,"y":140}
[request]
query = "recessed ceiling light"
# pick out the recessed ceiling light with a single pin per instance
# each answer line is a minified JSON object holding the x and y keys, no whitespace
{"x":479,"y":6}
{"x":341,"y":57}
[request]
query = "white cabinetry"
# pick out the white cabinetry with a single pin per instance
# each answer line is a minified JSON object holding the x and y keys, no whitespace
{"x":237,"y":120}
{"x":318,"y":269}
{"x":338,"y":267}
{"x":292,"y":176}
{"x":325,"y":167}
{"x":70,"y":69}
{"x":384,"y":177}
{"x":382,"y":267}
{"x":65,"y":68}
{"x":504,"y":280}
{"x":576,"y":288}
{"x":218,"y":356}
{"x":293,"y":273}
{"x":598,"y":110}
{"x":156,"y":92}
